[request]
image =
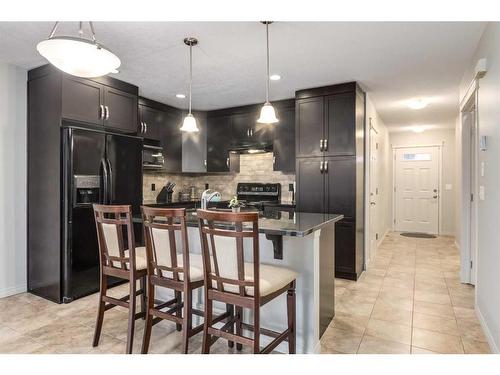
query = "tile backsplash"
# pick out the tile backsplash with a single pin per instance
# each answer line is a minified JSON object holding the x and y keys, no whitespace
{"x":253,"y":168}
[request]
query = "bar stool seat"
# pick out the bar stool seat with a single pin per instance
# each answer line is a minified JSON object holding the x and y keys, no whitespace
{"x":271,"y":279}
{"x":141,"y":262}
{"x":195,"y":266}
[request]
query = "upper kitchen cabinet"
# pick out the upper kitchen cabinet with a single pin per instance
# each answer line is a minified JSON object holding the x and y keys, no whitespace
{"x":171,"y":139}
{"x":151,"y":120}
{"x":102,"y":101}
{"x":219,"y":138}
{"x":340,"y":125}
{"x":309,"y":129}
{"x":284,"y":137}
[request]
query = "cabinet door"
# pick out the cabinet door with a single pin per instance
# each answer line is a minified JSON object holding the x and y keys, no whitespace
{"x":82,"y":100}
{"x":340,"y":124}
{"x":218,"y":138}
{"x":151,"y":120}
{"x":310,"y":185}
{"x":309,"y":126}
{"x":242,"y":126}
{"x":345,"y":249}
{"x":171,"y":140}
{"x":194,"y":147}
{"x":340,"y":186}
{"x":121,"y":110}
{"x":284,"y":141}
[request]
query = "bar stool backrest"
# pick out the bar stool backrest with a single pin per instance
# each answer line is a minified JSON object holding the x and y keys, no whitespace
{"x":115,"y":236}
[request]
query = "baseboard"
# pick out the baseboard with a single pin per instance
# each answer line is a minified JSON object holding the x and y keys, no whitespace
{"x":6,"y":292}
{"x":487,"y":332}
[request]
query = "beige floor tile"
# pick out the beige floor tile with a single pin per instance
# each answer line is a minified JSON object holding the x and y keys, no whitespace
{"x":437,"y":342}
{"x":475,"y":347}
{"x":435,"y":309}
{"x":462,"y":301}
{"x":432,"y":297}
{"x":374,"y":345}
{"x":416,"y":350}
{"x":396,"y":302}
{"x":471,"y":329}
{"x":436,"y":323}
{"x":350,"y":322}
{"x":341,"y":341}
{"x":389,"y":331}
{"x":464,"y":312}
{"x":386,"y":312}
{"x":352,"y":307}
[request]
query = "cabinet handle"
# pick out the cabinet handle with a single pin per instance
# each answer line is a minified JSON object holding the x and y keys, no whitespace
{"x":321,"y":166}
{"x":142,"y":128}
{"x":101,"y":112}
{"x":248,"y":132}
{"x":321,"y":145}
{"x":251,"y":132}
{"x":205,"y":162}
{"x":274,"y":159}
{"x":107,"y":112}
{"x":145,"y":127}
{"x":326,"y":167}
{"x":227,"y":162}
{"x":325,"y":145}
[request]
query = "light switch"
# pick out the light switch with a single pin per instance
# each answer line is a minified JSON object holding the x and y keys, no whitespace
{"x":482,"y":169}
{"x":481,"y":193}
{"x":447,"y":187}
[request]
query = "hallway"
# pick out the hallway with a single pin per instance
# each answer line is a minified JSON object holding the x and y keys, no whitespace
{"x":410,"y":300}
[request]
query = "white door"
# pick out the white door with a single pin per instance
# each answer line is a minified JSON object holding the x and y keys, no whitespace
{"x":374,"y":193}
{"x":416,"y":176}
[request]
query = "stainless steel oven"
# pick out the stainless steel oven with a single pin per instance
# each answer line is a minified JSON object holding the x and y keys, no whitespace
{"x":152,"y":157}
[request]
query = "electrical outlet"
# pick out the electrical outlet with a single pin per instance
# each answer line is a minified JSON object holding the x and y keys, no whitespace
{"x":153,"y":187}
{"x":290,"y":187}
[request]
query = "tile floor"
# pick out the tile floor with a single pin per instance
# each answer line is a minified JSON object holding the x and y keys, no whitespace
{"x":410,"y":300}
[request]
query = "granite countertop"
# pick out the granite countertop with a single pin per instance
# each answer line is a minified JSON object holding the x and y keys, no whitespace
{"x":295,"y":224}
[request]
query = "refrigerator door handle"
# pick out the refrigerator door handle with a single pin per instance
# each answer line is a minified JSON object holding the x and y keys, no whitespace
{"x":111,"y":187}
{"x":105,"y":179}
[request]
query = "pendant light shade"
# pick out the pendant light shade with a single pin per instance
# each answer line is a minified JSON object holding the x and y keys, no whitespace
{"x":78,"y":56}
{"x":267,"y":113}
{"x":189,"y":123}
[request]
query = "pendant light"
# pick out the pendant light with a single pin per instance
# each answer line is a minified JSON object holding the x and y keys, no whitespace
{"x":77,"y":55}
{"x":267,"y":113}
{"x":189,"y":123}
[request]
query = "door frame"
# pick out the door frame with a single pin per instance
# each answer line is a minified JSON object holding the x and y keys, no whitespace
{"x":440,"y":181}
{"x":469,"y":188}
{"x":369,"y":253}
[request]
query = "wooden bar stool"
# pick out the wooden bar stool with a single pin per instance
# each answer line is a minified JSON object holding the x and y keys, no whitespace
{"x":119,"y":258}
{"x":181,"y":272}
{"x":229,"y":279}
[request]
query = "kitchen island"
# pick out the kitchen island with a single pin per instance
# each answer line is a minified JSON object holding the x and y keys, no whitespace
{"x":305,"y":243}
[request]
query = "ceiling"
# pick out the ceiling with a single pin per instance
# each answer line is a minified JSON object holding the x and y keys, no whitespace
{"x":393,"y":61}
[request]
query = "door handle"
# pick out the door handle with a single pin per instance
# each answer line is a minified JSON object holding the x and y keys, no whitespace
{"x":101,"y":112}
{"x":110,"y":171}
{"x":373,"y":203}
{"x":325,"y":145}
{"x":434,"y":196}
{"x":104,"y":199}
{"x":321,"y":145}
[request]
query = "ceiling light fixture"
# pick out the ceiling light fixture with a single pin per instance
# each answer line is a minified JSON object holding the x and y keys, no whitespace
{"x":418,"y":103}
{"x":78,"y":56}
{"x":180,"y":96}
{"x":418,"y":129}
{"x":275,"y":77}
{"x":267,"y":113}
{"x":189,"y":123}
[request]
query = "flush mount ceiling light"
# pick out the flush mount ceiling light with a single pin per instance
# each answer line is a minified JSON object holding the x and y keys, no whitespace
{"x":267,"y":113}
{"x":180,"y":96}
{"x":189,"y":123}
{"x":275,"y":77}
{"x":78,"y":56}
{"x":418,"y":129}
{"x":418,"y":103}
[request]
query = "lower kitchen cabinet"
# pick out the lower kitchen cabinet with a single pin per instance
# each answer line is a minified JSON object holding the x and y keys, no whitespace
{"x":310,"y":185}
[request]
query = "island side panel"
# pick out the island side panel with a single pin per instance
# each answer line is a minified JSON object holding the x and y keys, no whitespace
{"x":326,"y":277}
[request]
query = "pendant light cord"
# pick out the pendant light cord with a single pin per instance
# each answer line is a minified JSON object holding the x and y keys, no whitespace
{"x":267,"y":62}
{"x":190,"y":74}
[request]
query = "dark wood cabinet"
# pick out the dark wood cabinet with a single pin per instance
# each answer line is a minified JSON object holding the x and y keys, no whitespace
{"x":121,"y":110}
{"x":219,"y":138}
{"x":150,"y":122}
{"x":171,"y":140}
{"x":96,"y":103}
{"x":82,"y":100}
{"x":242,"y":127}
{"x":284,"y":139}
{"x":330,"y":165}
{"x":310,"y":126}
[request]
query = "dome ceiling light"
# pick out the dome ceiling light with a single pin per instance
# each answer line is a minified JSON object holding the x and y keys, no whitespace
{"x":267,"y":113}
{"x":77,"y":55}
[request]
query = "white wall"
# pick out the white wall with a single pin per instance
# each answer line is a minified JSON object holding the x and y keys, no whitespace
{"x":13,"y":98}
{"x":383,"y":218}
{"x":488,"y":257}
{"x":446,"y":137}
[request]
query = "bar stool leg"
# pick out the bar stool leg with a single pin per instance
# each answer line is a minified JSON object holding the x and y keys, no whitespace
{"x":178,"y":299}
{"x":239,"y":320}
{"x":186,"y":319}
{"x":230,"y":310}
{"x":100,"y":310}
{"x":131,"y":316}
{"x":290,"y":304}
{"x":208,"y":322}
{"x":256,"y":330}
{"x":149,"y":318}
{"x":142,"y":286}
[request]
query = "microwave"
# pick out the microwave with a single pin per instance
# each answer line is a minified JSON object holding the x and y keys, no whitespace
{"x":152,"y":157}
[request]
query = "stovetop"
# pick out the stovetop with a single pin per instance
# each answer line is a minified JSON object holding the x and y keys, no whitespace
{"x":258,"y":193}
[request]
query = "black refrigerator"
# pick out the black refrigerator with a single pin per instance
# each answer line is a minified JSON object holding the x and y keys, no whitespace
{"x":97,"y":167}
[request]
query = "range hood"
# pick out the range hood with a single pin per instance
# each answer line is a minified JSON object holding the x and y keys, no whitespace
{"x":251,"y":148}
